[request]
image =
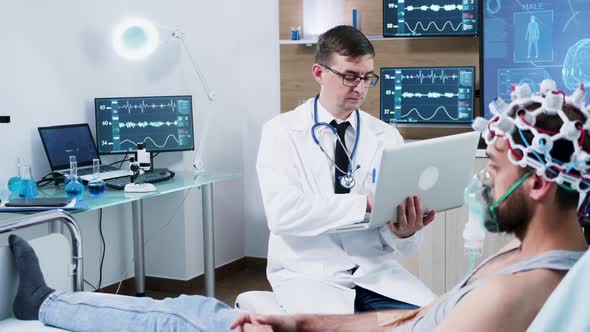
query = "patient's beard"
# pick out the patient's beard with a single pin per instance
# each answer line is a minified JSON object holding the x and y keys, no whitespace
{"x":514,"y":214}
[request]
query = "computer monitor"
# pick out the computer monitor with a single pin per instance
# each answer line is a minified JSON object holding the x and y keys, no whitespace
{"x":428,"y":95}
{"x":425,"y":18}
{"x":528,"y":42}
{"x":162,"y":123}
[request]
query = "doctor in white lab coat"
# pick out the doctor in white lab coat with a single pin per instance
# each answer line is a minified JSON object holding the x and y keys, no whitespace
{"x":311,"y":270}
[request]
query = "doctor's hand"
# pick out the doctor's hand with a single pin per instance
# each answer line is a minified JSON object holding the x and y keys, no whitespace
{"x":370,"y":201}
{"x":410,"y":218}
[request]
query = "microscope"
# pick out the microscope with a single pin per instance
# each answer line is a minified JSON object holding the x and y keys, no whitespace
{"x":136,"y":186}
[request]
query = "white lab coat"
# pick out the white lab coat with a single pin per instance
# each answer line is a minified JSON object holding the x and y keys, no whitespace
{"x":307,"y":268}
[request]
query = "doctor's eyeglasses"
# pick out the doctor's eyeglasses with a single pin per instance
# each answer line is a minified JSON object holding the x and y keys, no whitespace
{"x":352,"y":80}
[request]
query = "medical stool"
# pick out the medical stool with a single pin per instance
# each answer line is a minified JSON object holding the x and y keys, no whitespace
{"x":260,"y":302}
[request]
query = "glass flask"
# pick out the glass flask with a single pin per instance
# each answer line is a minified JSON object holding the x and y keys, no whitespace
{"x":28,"y":187}
{"x":68,"y":178}
{"x":96,"y":186}
{"x":74,"y":187}
{"x":15,"y":181}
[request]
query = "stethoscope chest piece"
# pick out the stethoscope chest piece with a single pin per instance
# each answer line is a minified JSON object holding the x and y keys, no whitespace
{"x":347,"y":181}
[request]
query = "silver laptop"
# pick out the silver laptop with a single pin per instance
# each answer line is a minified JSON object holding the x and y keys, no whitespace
{"x":436,"y":170}
{"x":61,"y":142}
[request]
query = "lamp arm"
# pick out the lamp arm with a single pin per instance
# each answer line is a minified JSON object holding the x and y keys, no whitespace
{"x":198,"y":165}
{"x":210,"y":94}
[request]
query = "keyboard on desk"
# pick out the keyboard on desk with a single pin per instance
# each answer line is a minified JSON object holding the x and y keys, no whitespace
{"x":157,"y":175}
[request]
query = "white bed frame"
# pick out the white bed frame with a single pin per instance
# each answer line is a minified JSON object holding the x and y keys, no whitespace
{"x":60,"y":264}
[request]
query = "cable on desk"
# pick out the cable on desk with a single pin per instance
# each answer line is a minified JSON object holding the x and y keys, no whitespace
{"x":49,"y":178}
{"x":158,"y":234}
{"x":120,"y":161}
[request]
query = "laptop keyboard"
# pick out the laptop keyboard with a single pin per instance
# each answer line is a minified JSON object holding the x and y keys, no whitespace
{"x":103,"y":169}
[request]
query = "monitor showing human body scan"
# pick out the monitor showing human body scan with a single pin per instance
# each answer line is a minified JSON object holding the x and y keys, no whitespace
{"x":162,"y":123}
{"x":428,"y":95}
{"x":531,"y":41}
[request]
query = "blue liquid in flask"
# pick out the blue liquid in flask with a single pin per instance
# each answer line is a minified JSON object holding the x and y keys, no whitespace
{"x":14,"y":184}
{"x":97,"y":188}
{"x":74,"y":189}
{"x":28,"y":188}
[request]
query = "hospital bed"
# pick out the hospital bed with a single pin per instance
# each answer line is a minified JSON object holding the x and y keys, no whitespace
{"x":60,"y":264}
{"x":563,"y":311}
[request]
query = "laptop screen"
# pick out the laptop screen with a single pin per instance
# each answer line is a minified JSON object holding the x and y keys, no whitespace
{"x":61,"y":142}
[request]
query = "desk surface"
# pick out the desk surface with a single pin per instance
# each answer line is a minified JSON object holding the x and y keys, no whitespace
{"x":181,"y":181}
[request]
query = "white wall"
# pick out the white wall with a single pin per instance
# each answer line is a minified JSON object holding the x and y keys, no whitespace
{"x":260,"y":81}
{"x":56,"y":58}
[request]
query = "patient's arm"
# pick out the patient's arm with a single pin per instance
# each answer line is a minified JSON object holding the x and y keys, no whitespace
{"x":368,"y":322}
{"x":504,"y":303}
{"x":315,"y":323}
{"x":375,"y":321}
{"x":394,"y":318}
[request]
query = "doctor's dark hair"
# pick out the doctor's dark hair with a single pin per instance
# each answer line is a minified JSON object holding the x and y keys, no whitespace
{"x":343,"y":40}
{"x":562,"y":149}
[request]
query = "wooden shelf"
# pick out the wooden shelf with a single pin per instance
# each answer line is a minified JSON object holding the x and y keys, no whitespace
{"x":371,"y":38}
{"x":314,"y":41}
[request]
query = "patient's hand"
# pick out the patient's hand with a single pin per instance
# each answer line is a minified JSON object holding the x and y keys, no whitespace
{"x":410,"y":218}
{"x":256,"y":328}
{"x":277,"y":323}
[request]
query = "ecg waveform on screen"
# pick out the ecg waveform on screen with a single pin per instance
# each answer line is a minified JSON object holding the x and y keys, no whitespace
{"x":435,"y":8}
{"x":432,"y":76}
{"x":155,"y":124}
{"x":143,"y":106}
{"x":441,"y":108}
{"x":434,"y":95}
{"x":156,"y":144}
{"x":433,"y":24}
{"x":427,"y":95}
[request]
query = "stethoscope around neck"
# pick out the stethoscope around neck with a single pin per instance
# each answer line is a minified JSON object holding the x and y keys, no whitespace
{"x":347,"y":180}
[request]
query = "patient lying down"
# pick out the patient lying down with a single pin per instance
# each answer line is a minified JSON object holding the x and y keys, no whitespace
{"x":505,"y":293}
{"x":520,"y":196}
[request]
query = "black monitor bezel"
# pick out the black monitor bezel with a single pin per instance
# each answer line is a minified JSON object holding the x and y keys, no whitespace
{"x":433,"y":123}
{"x":476,"y":33}
{"x":140,"y":97}
{"x":80,"y":164}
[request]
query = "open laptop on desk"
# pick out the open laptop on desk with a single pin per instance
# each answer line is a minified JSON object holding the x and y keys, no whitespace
{"x":61,"y":142}
{"x":436,"y":170}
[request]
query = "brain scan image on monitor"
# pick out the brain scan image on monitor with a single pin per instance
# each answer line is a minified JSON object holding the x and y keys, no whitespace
{"x":528,"y":41}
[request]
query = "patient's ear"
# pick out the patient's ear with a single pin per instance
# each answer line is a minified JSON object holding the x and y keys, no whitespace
{"x":539,"y":187}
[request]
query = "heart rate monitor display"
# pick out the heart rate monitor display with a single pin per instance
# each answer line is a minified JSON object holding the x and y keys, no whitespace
{"x":160,"y":123}
{"x":528,"y":42}
{"x":416,"y":18}
{"x":427,"y":95}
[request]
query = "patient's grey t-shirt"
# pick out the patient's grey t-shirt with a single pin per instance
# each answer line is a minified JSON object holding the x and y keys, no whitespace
{"x":561,"y":260}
